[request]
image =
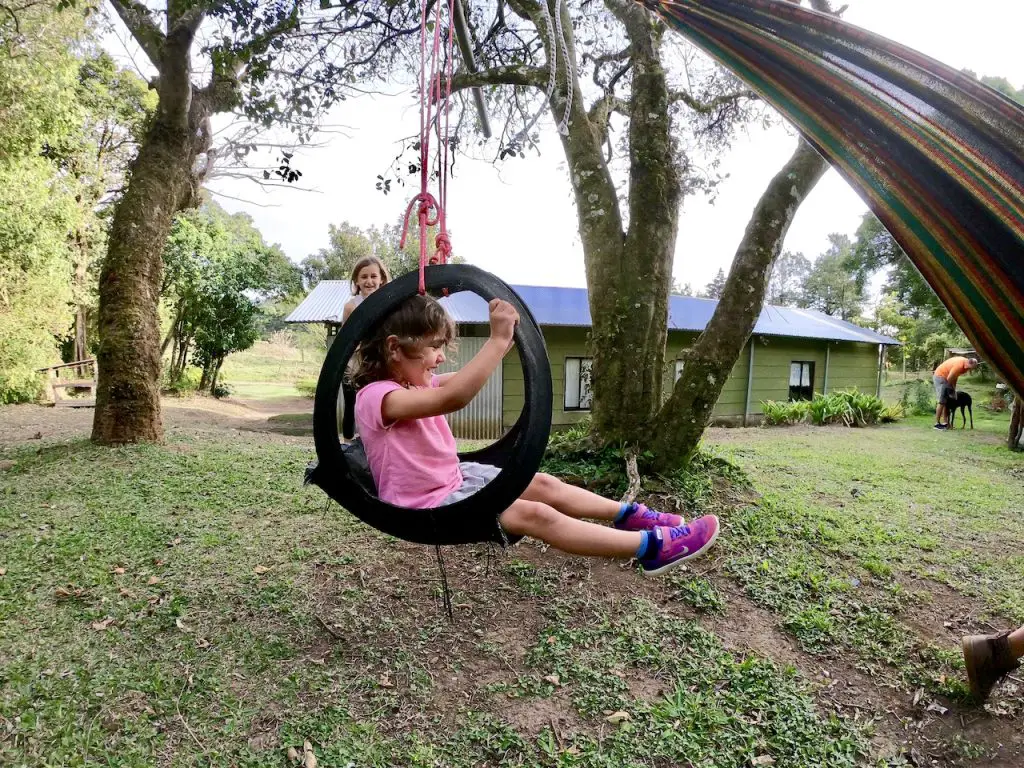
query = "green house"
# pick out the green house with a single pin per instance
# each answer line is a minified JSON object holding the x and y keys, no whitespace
{"x":792,"y":354}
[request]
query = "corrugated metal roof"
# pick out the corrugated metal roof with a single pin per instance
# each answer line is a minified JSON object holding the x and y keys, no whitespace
{"x":570,"y":307}
{"x":324,"y":304}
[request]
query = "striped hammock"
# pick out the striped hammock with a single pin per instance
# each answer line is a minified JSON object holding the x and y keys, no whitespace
{"x":937,"y":156}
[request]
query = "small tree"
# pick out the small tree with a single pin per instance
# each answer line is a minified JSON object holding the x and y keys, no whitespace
{"x":831,"y":287}
{"x":219,"y":271}
{"x":787,"y":279}
{"x":713,"y":290}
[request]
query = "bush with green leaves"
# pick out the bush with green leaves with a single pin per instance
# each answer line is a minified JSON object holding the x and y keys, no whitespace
{"x":778,"y":414}
{"x":849,"y":407}
{"x":306,"y":387}
{"x":918,"y":398}
{"x":179,"y":384}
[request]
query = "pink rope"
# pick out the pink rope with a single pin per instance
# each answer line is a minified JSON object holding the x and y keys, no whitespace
{"x":431,"y":94}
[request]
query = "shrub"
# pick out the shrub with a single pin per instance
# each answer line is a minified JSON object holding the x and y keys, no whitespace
{"x":185,"y":383}
{"x":850,"y":407}
{"x":221,"y":390}
{"x":576,"y":432}
{"x":892,"y":413}
{"x":20,"y":386}
{"x":306,"y":387}
{"x":777,"y":414}
{"x":918,"y":398}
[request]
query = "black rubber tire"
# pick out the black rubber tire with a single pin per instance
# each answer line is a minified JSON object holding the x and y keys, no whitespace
{"x":518,"y":453}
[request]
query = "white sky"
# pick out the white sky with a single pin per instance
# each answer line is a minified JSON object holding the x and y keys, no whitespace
{"x":517,"y":219}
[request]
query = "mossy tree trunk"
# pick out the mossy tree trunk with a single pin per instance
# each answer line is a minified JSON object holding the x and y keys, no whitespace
{"x":163,"y":180}
{"x":685,"y":415}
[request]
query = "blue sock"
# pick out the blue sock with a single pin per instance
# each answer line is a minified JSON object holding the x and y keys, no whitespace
{"x":624,"y":510}
{"x":647,"y":541}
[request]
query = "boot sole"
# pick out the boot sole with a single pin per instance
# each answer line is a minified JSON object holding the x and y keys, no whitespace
{"x":970,"y":664}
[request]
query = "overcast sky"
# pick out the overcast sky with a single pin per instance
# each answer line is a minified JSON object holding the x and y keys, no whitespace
{"x":518,"y":220}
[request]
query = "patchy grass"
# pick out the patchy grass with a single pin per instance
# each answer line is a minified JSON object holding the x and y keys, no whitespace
{"x":881,"y":542}
{"x":275,"y":363}
{"x":192,"y":604}
{"x":262,"y":390}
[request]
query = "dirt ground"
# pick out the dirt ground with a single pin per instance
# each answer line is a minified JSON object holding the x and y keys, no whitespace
{"x":21,"y":423}
{"x":900,"y":723}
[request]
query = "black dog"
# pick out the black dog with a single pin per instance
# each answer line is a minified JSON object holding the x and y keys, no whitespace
{"x":960,"y":400}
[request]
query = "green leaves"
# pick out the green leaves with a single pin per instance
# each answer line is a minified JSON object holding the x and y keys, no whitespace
{"x":218,"y":270}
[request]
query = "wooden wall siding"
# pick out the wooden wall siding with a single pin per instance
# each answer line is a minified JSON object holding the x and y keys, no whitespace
{"x":482,"y":418}
{"x":561,"y":343}
{"x":850,"y":365}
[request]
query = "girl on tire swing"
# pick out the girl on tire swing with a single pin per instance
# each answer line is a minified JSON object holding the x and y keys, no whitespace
{"x":400,"y":408}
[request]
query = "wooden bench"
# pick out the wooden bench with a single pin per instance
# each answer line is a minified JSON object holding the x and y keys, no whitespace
{"x":80,"y":374}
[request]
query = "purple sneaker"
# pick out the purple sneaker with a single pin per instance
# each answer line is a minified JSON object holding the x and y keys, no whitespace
{"x":640,"y":518}
{"x":676,"y":545}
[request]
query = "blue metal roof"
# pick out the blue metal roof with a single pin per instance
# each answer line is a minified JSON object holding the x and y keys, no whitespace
{"x":554,"y":306}
{"x":570,"y":307}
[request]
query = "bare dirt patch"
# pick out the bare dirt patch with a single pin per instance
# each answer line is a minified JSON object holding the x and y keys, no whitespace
{"x":22,"y":424}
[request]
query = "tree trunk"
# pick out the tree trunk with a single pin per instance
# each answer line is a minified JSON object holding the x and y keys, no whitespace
{"x":216,"y":375}
{"x":182,"y":362}
{"x":81,"y":347}
{"x":1016,"y":424}
{"x":172,"y":332}
{"x":204,"y":380}
{"x":685,"y":415}
{"x":628,"y":273}
{"x":162,"y":182}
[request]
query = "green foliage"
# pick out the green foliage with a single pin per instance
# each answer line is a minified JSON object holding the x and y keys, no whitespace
{"x":179,"y":383}
{"x":19,"y":385}
{"x":218,"y":270}
{"x":830,"y":287}
{"x":699,"y":593}
{"x":67,"y":118}
{"x":787,"y":279}
{"x":778,"y":414}
{"x":37,"y":110}
{"x":918,"y":398}
{"x":849,"y":407}
{"x":349,"y":244}
{"x":306,"y":387}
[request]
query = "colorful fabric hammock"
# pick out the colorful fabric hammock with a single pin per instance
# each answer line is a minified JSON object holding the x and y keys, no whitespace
{"x":937,"y":156}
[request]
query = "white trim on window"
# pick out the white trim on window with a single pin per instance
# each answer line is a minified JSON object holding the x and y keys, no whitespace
{"x":578,"y":395}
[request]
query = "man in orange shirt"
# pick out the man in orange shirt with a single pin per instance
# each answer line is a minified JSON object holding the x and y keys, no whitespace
{"x":944,"y":379}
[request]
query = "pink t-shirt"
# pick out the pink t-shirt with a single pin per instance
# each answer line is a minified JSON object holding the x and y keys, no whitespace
{"x":414,"y":462}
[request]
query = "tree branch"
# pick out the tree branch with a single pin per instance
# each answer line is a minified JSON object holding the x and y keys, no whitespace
{"x":144,"y":29}
{"x":535,"y":77}
{"x":707,"y":107}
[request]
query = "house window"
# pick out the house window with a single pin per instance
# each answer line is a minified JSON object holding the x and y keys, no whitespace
{"x":679,"y":369}
{"x":801,"y":380}
{"x":577,"y":383}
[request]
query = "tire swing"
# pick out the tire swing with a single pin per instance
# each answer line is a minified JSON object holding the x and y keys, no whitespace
{"x":342,"y":470}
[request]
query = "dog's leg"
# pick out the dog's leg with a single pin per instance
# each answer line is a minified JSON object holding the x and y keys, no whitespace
{"x":971,"y":409}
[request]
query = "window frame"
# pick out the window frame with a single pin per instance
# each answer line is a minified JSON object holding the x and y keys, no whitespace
{"x":586,"y":366}
{"x":807,"y":365}
{"x":680,"y":366}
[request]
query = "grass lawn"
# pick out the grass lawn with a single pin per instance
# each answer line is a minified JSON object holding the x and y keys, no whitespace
{"x":275,"y":363}
{"x":192,"y":604}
